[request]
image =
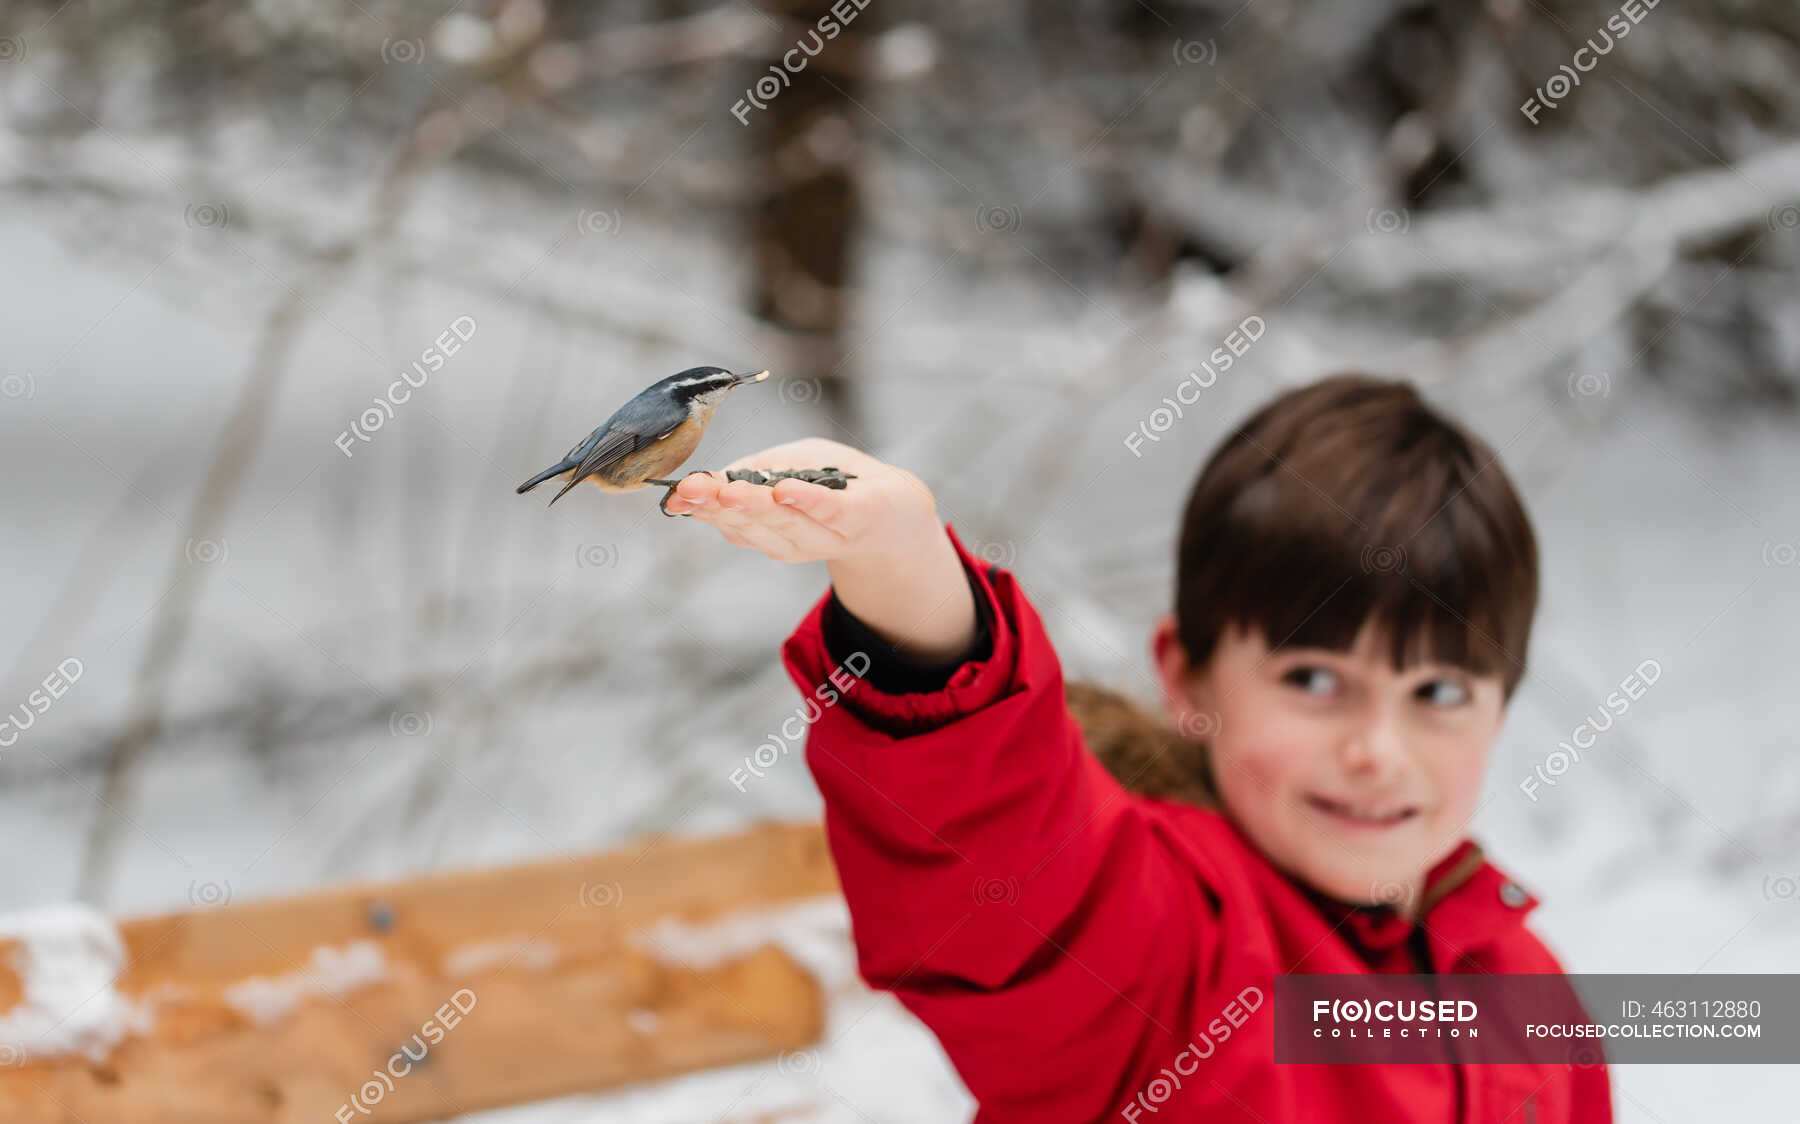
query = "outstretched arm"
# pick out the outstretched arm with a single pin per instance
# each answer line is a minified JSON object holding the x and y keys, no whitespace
{"x":1000,"y":882}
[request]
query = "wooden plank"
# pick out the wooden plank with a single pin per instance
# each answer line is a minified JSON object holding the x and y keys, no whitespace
{"x":506,"y":984}
{"x":574,"y":900}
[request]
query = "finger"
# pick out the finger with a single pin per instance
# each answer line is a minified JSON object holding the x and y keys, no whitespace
{"x":822,"y":506}
{"x":752,"y":508}
{"x":747,"y":516}
{"x":746,"y":499}
{"x":743,"y":505}
{"x":736,"y":539}
{"x":696,"y":491}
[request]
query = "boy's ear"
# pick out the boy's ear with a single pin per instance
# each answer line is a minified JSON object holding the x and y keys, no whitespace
{"x":1185,"y":688}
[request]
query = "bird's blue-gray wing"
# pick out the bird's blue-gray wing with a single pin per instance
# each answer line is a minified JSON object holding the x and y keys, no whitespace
{"x":635,"y":426}
{"x":613,"y":445}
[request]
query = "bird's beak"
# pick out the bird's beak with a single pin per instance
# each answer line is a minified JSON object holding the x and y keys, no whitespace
{"x":757,"y":377}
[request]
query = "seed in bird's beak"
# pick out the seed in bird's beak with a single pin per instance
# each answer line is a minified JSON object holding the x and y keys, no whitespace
{"x":757,"y":377}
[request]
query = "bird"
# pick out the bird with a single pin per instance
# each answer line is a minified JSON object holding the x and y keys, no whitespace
{"x":648,"y":437}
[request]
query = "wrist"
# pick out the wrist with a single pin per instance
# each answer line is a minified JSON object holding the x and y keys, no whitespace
{"x":915,"y":595}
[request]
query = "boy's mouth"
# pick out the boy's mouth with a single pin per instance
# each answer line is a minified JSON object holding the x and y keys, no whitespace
{"x":1363,"y":816}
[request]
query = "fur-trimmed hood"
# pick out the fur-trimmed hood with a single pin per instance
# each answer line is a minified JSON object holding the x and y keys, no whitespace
{"x":1140,"y":748}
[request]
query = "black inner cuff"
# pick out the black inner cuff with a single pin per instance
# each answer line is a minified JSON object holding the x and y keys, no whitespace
{"x":890,"y":670}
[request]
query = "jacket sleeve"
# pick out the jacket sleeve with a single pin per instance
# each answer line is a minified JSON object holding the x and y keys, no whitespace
{"x":895,"y":672}
{"x":1591,"y":1095}
{"x":1000,"y":882}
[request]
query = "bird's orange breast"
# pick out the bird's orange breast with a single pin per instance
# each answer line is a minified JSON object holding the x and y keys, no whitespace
{"x":659,"y":459}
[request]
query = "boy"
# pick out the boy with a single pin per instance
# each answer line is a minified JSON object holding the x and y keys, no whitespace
{"x":1354,"y":591}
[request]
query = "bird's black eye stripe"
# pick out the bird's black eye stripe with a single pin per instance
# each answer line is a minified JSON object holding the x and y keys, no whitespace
{"x":701,"y":386}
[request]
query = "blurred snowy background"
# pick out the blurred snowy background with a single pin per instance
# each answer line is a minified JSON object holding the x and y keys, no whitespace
{"x":319,"y":637}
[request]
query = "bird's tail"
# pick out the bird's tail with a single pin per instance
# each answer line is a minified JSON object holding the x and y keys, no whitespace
{"x":574,"y":479}
{"x":554,"y":470}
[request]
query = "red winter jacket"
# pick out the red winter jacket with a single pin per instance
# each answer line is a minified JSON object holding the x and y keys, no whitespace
{"x":1078,"y":949}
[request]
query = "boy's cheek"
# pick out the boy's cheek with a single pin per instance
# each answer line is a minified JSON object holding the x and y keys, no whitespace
{"x":1269,"y":772}
{"x":1459,"y":784}
{"x":1252,"y":779}
{"x":1276,"y":751}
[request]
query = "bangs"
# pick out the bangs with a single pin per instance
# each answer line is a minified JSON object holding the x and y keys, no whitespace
{"x":1380,"y":513}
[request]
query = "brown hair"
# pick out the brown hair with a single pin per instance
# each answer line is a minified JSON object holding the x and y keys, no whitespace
{"x":1342,"y":502}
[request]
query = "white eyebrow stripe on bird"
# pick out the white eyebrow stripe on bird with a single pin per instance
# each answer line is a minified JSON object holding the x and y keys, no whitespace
{"x":702,"y":380}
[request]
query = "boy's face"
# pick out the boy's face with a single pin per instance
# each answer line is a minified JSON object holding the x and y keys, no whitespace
{"x":1350,"y":776}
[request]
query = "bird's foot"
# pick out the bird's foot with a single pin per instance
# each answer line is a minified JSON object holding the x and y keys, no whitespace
{"x":663,"y":504}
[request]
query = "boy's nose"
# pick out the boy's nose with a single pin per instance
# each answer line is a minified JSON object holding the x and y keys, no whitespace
{"x":1377,"y":748}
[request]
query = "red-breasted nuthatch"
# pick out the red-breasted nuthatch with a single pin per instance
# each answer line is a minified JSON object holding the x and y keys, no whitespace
{"x":649,"y":436}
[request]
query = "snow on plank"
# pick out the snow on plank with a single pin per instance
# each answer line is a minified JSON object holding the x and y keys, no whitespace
{"x":407,"y":1000}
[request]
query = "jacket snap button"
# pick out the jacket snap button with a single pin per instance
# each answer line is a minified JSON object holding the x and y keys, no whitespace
{"x":1513,"y":894}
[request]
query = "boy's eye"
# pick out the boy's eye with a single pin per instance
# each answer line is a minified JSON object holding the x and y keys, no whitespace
{"x":1311,"y":679}
{"x":1444,"y":692}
